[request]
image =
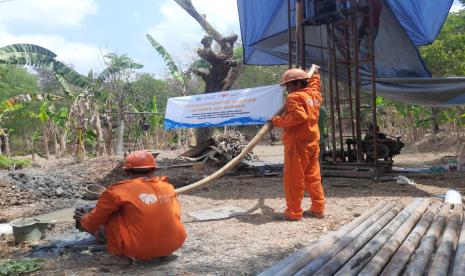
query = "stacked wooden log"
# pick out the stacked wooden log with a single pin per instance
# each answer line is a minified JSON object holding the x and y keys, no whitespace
{"x":426,"y":236}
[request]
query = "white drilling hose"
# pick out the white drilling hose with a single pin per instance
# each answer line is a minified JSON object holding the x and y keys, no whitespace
{"x":236,"y":160}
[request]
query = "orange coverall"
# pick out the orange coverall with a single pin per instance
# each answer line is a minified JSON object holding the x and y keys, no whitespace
{"x":141,"y":218}
{"x":301,"y":138}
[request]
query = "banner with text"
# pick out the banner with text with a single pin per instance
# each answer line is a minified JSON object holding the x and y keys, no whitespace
{"x":251,"y":106}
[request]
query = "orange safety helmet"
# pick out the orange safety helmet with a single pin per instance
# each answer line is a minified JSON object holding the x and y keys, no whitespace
{"x":294,"y":74}
{"x":140,"y":159}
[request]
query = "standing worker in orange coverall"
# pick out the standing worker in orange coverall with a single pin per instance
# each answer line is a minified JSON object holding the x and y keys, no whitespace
{"x":301,"y":138}
{"x":140,"y":216}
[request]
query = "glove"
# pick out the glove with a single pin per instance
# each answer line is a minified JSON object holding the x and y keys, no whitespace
{"x":315,"y":68}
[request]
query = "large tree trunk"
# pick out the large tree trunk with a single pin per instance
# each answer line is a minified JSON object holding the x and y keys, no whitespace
{"x":203,"y":134}
{"x":224,"y":68}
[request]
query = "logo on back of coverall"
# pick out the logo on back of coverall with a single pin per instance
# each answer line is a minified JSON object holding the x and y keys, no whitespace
{"x":148,"y":198}
{"x":313,"y":102}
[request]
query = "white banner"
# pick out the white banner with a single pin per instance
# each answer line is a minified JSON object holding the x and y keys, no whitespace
{"x":251,"y":106}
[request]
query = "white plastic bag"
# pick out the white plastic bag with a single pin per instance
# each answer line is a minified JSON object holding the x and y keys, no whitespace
{"x":404,"y":180}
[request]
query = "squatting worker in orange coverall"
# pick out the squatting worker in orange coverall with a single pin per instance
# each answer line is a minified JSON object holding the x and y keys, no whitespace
{"x":301,"y":138}
{"x":140,"y":216}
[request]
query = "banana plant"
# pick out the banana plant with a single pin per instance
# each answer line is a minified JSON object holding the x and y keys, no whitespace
{"x":176,"y":73}
{"x":172,"y":67}
{"x":19,"y":101}
{"x":117,"y":64}
{"x":118,"y":73}
{"x":180,"y":76}
{"x":37,"y":56}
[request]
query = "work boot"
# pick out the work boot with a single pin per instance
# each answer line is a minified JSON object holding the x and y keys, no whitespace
{"x":311,"y":214}
{"x":292,"y":216}
{"x":292,"y":219}
{"x":283,"y":217}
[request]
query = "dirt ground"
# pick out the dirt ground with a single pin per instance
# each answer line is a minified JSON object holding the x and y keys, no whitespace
{"x":245,"y":244}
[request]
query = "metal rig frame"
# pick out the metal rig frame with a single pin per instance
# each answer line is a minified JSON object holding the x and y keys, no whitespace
{"x":343,"y":100}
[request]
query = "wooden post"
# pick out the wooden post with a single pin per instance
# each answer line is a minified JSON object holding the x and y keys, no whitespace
{"x":45,"y":140}
{"x":7,"y":144}
{"x":403,"y":254}
{"x":62,"y":137}
{"x":327,"y":255}
{"x":359,"y":260}
{"x":422,"y":255}
{"x":377,"y":263}
{"x":443,"y":257}
{"x":307,"y":253}
{"x":100,"y":147}
{"x":56,"y":146}
{"x":341,"y":258}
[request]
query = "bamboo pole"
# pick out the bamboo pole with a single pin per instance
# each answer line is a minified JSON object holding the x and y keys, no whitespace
{"x":327,"y":255}
{"x":341,"y":258}
{"x":359,"y":260}
{"x":405,"y":251}
{"x":443,"y":257}
{"x":459,"y":262}
{"x":422,"y":255}
{"x":296,"y":261}
{"x":376,"y":264}
{"x":236,"y":160}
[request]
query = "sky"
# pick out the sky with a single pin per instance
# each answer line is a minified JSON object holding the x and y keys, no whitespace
{"x":80,"y":32}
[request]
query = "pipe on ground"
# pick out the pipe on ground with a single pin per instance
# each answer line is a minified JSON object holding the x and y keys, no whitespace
{"x":422,"y":256}
{"x":341,"y":258}
{"x":359,"y":260}
{"x":445,"y":252}
{"x":378,"y":262}
{"x":296,"y":261}
{"x":459,"y":262}
{"x":326,"y":255}
{"x":405,"y":251}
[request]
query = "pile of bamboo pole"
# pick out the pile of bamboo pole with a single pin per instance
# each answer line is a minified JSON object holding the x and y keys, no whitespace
{"x":426,"y":236}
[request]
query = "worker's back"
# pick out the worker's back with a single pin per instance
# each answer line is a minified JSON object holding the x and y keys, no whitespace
{"x":146,"y":221}
{"x":304,"y":103}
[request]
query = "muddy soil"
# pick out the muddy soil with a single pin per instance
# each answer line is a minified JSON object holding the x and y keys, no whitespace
{"x":245,"y":244}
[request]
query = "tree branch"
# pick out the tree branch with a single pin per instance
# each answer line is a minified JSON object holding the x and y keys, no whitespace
{"x":210,"y":56}
{"x":201,"y":73}
{"x":233,"y":74}
{"x":190,"y":9}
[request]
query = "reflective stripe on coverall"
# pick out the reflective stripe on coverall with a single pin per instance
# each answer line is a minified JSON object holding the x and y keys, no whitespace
{"x":141,"y":218}
{"x":301,"y":149}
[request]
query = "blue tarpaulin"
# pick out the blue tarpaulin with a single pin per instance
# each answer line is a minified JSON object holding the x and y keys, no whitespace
{"x":403,"y":25}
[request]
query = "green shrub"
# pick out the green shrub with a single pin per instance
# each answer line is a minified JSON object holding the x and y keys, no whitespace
{"x":19,"y":267}
{"x":6,"y":162}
